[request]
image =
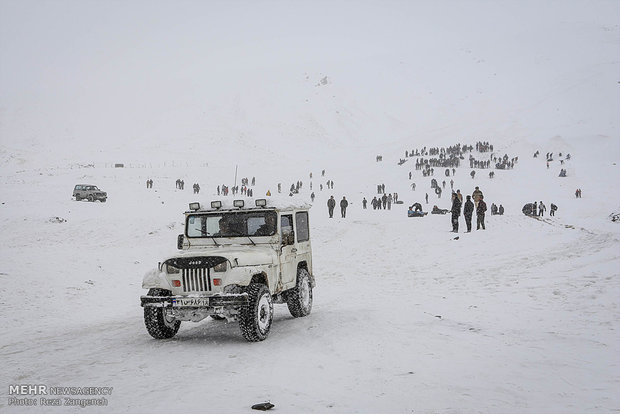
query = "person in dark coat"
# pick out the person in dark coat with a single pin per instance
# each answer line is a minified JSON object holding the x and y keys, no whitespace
{"x":456,"y":212}
{"x":364,"y":202}
{"x":553,"y":209}
{"x":331,"y":203}
{"x":468,"y":211}
{"x":343,"y":206}
{"x":501,"y":210}
{"x":480,"y":210}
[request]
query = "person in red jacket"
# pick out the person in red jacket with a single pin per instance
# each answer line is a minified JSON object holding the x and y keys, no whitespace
{"x":480,"y":210}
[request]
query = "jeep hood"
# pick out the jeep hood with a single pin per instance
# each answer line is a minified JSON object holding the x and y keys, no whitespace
{"x":238,"y":256}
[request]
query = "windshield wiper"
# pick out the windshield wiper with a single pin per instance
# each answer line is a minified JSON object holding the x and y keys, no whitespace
{"x":206,"y":233}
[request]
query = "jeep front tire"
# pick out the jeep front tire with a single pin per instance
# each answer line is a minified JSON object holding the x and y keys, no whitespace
{"x":158,"y":324}
{"x":299,"y":299}
{"x":255,"y":318}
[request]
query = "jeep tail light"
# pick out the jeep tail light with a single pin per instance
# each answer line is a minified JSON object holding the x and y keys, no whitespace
{"x":176,"y":283}
{"x":217,"y":282}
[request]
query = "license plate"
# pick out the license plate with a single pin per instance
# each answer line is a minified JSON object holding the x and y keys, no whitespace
{"x":190,"y":302}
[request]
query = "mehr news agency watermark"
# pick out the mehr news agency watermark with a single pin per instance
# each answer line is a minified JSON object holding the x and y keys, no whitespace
{"x":46,"y":396}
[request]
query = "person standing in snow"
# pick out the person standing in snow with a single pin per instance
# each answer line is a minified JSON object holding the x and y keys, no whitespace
{"x":312,"y":197}
{"x":553,"y":209}
{"x":343,"y":207}
{"x":476,"y":195}
{"x":389,"y":202}
{"x":501,"y":210}
{"x":480,"y":210}
{"x":364,"y":202}
{"x":426,"y":198}
{"x":535,"y":209}
{"x":456,"y":212}
{"x":468,"y":211}
{"x":541,"y":209}
{"x":331,"y":203}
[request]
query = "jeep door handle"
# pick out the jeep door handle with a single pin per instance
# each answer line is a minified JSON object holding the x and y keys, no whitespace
{"x":293,"y":250}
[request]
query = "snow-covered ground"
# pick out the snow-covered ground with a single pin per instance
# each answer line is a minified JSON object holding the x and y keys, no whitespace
{"x":522,"y":317}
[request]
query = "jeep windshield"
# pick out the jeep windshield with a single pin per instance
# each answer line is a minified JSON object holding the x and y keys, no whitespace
{"x":232,"y":224}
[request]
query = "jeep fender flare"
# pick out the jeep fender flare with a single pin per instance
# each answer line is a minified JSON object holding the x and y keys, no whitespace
{"x":245,"y":275}
{"x":154,"y":279}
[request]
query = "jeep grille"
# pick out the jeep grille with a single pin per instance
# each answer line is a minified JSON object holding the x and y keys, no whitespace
{"x":196,"y":280}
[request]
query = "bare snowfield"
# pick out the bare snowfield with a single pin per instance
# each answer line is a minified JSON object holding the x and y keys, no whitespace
{"x":522,"y":317}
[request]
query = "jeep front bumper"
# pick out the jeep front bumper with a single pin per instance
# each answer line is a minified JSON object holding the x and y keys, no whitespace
{"x":226,"y":300}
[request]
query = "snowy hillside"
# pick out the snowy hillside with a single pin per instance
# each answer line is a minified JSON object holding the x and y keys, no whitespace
{"x":522,"y":317}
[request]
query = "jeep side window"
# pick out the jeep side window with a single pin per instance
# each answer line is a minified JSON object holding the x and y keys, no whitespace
{"x":301,"y":221}
{"x":288,"y":235}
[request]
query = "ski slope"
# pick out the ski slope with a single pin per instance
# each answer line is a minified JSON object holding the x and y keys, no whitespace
{"x":518,"y":318}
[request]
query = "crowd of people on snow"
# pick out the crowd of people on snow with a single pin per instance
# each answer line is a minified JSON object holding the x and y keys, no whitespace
{"x":538,"y":209}
{"x":427,"y":160}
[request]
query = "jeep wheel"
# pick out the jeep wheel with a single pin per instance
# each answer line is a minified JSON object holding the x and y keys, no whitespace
{"x":78,"y":198}
{"x":158,"y":324}
{"x":91,"y":198}
{"x":255,"y":318}
{"x":299,"y":299}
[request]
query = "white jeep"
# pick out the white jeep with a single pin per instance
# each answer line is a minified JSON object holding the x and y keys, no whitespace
{"x":234,"y":263}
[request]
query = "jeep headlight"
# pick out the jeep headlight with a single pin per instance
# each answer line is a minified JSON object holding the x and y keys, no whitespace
{"x":220,"y":268}
{"x":171,"y":269}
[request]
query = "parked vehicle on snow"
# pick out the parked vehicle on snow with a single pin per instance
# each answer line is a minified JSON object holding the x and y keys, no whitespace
{"x":89,"y":192}
{"x":234,"y":263}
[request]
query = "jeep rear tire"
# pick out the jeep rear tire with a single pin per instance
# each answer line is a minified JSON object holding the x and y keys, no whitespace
{"x":299,"y":299}
{"x":255,"y":318}
{"x":158,"y":324}
{"x":78,"y":198}
{"x":91,"y":198}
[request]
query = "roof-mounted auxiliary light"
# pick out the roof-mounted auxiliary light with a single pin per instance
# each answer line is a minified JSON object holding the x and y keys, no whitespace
{"x":261,"y":202}
{"x":216,"y":204}
{"x":238,"y":203}
{"x":194,"y":206}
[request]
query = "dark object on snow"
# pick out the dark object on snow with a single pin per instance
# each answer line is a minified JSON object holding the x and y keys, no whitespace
{"x":528,"y":209}
{"x":437,"y":210}
{"x":263,"y":406}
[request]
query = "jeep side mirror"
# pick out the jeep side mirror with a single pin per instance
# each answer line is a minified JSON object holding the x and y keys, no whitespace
{"x":180,"y":242}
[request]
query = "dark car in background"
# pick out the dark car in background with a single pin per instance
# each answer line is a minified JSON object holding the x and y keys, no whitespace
{"x":89,"y":192}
